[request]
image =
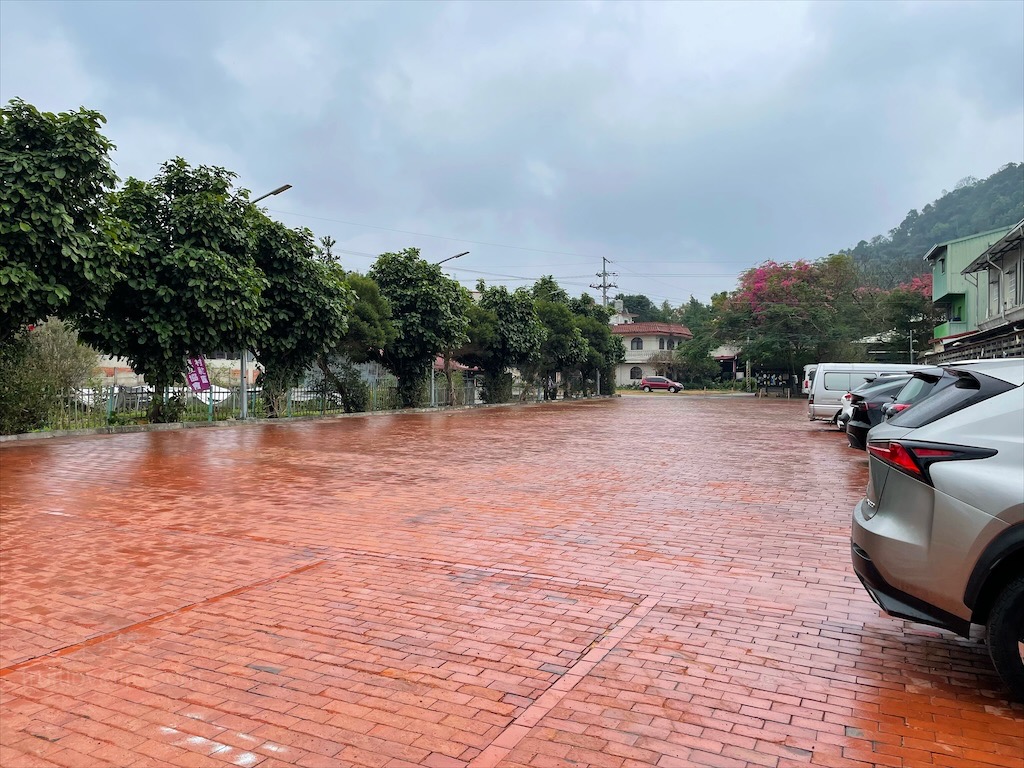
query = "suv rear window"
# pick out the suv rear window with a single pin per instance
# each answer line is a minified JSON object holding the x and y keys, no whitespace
{"x":970,"y":389}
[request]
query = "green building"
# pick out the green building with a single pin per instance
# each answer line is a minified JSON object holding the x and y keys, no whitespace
{"x":961,"y":299}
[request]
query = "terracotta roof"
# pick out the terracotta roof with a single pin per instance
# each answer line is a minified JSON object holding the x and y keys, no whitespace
{"x":649,"y":329}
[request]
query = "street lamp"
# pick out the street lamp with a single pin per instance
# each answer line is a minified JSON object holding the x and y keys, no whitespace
{"x":278,"y":191}
{"x":244,"y":412}
{"x":433,"y":360}
{"x":457,"y":255}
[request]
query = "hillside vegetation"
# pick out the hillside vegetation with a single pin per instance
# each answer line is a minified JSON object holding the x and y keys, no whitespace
{"x":973,"y":206}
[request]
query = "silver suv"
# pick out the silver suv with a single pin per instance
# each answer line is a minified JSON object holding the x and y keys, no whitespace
{"x":939,"y":539}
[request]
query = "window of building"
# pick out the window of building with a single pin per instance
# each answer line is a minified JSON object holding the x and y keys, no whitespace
{"x":942,"y":266}
{"x":636,"y":373}
{"x":661,"y":342}
{"x":993,"y":292}
{"x":636,"y":343}
{"x":671,"y":343}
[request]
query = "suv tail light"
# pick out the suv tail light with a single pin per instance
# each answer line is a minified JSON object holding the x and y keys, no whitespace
{"x":897,"y":407}
{"x":915,"y":459}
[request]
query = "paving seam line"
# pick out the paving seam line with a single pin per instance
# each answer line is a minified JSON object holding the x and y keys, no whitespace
{"x":95,"y":639}
{"x":519,"y":728}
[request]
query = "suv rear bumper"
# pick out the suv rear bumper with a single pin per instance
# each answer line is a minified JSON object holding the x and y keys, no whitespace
{"x":900,"y":604}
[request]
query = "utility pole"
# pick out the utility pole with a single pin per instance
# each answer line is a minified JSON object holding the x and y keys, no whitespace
{"x":604,"y":285}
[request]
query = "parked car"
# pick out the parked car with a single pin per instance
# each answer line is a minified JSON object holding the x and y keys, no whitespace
{"x":939,"y":538}
{"x":925,"y":382}
{"x":809,"y":370}
{"x":833,"y":380}
{"x":648,"y":383}
{"x":846,"y":401}
{"x":866,"y":407}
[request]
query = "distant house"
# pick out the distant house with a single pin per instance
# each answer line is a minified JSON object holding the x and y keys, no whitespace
{"x":957,"y":296}
{"x":644,"y":341}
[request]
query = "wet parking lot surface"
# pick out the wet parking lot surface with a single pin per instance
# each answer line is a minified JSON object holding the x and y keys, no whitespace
{"x":643,"y":581}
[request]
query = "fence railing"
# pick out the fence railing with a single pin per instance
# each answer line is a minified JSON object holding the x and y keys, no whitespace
{"x":120,"y":405}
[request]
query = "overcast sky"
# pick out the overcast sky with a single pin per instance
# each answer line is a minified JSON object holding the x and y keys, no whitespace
{"x":683,"y":141}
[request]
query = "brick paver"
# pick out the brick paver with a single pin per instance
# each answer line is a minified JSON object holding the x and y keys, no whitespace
{"x":647,"y":581}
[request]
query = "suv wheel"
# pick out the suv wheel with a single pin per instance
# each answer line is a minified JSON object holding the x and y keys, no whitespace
{"x":672,"y":389}
{"x":647,"y":389}
{"x":1006,"y":636}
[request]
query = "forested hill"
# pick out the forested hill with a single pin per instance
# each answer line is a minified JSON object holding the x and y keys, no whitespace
{"x":973,"y":206}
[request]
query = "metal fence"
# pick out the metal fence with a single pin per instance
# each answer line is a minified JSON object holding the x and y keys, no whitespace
{"x":120,"y":405}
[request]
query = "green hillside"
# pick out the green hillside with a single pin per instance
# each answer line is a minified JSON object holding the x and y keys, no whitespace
{"x":973,"y":206}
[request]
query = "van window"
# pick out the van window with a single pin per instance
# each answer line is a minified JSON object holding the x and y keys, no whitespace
{"x":837,"y":381}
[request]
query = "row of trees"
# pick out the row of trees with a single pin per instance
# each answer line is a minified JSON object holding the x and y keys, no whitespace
{"x":185,"y":265}
{"x":788,"y":315}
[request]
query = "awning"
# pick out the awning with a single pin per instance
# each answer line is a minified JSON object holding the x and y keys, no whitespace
{"x":1009,"y":242}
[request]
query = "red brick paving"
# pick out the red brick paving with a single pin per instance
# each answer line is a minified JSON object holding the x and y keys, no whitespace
{"x":651,"y":581}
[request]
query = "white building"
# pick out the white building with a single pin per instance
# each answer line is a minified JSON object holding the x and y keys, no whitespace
{"x":646,"y":344}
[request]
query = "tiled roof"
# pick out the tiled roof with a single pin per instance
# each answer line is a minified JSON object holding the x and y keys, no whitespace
{"x":650,"y":329}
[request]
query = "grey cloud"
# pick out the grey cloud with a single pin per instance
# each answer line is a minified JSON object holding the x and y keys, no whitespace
{"x":679,"y":134}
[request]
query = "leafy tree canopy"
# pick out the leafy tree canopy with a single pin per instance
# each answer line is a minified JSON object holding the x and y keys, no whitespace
{"x":370,"y":328}
{"x":547,"y":289}
{"x":192,"y":287}
{"x":429,"y":316}
{"x":305,"y":304}
{"x":504,"y":330}
{"x":59,"y":250}
{"x":644,"y":309}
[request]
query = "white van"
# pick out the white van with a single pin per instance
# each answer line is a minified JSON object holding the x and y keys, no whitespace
{"x":809,"y":370}
{"x":833,"y":380}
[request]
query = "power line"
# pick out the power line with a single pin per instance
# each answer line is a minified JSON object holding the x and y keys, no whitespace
{"x":424,"y":234}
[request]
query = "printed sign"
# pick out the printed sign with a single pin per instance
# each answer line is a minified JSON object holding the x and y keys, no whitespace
{"x":197,"y":378}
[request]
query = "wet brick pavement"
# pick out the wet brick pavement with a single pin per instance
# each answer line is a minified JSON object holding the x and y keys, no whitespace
{"x":647,"y":581}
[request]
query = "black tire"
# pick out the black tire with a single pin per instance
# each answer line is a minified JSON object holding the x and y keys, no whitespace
{"x":673,"y":390}
{"x":647,"y":389}
{"x":1006,"y":636}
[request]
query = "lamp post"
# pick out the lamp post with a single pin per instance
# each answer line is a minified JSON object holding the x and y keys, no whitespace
{"x":278,"y":191}
{"x":433,"y":359}
{"x":243,"y":374}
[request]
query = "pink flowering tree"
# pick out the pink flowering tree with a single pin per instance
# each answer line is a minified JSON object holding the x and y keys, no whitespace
{"x":786,"y":315}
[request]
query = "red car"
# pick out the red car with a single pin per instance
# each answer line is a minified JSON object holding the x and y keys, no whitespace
{"x":659,"y":382}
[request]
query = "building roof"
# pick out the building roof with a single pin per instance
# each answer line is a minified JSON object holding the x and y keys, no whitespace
{"x":937,"y":250}
{"x":1007,"y":242}
{"x":652,"y":329}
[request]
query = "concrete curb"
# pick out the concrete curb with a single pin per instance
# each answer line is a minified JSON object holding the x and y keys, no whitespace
{"x":230,"y":423}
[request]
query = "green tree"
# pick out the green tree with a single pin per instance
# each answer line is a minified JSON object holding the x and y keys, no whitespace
{"x":38,"y":370}
{"x":645,"y":310}
{"x":305,"y":304}
{"x":907,"y":312}
{"x":696,"y":316}
{"x":504,"y":332}
{"x":59,"y":250}
{"x":564,"y":347}
{"x":604,"y":351}
{"x":547,"y":289}
{"x":370,"y":330}
{"x":429,"y":312}
{"x":192,"y":287}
